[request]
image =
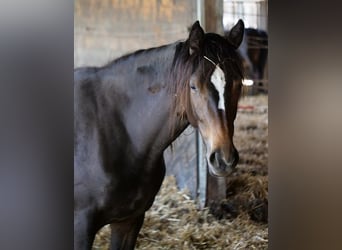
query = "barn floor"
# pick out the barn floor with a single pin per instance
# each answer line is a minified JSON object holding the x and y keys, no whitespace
{"x":239,"y":222}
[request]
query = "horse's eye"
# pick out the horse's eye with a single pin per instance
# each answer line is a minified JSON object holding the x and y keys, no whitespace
{"x":192,"y":87}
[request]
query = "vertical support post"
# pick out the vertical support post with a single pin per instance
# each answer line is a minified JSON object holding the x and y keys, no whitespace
{"x":210,"y":15}
{"x":214,"y":16}
{"x":263,"y":13}
{"x":201,"y":172}
{"x":200,"y":12}
{"x":201,"y":162}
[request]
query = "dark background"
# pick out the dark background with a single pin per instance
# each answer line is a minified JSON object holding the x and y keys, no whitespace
{"x":36,"y":126}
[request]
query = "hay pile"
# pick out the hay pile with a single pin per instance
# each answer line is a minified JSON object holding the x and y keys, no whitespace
{"x":238,"y":222}
{"x":174,"y":222}
{"x":251,"y":134}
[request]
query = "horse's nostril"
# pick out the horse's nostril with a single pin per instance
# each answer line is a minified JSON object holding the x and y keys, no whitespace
{"x":217,"y":159}
{"x":212,"y":158}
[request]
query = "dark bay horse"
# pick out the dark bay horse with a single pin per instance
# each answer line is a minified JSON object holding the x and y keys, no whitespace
{"x":130,"y":110}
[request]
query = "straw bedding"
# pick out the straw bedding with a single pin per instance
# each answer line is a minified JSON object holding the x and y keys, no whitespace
{"x":238,"y":222}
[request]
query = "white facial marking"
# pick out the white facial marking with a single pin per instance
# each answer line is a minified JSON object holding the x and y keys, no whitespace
{"x":218,"y":79}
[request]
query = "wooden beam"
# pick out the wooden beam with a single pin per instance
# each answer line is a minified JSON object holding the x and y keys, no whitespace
{"x":213,"y":10}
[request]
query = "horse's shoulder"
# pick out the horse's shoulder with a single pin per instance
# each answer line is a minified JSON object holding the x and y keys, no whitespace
{"x":85,"y":80}
{"x":85,"y":97}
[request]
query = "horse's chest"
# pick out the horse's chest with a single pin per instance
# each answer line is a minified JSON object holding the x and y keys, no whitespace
{"x":132,"y":196}
{"x":135,"y":202}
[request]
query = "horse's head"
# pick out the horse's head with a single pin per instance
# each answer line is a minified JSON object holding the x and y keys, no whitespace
{"x":214,"y":90}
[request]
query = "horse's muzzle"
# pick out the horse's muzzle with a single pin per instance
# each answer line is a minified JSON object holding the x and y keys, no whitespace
{"x":221,"y":165}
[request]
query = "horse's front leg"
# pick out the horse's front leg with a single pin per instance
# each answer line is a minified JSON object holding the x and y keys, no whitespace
{"x":83,"y":231}
{"x":124,"y":234}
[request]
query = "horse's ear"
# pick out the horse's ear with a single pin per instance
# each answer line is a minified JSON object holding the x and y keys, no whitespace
{"x":196,"y":37}
{"x":235,"y":35}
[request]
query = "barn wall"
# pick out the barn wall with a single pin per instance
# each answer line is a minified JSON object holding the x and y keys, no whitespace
{"x":108,"y":29}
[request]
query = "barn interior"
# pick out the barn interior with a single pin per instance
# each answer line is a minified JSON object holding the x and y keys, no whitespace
{"x":193,"y":210}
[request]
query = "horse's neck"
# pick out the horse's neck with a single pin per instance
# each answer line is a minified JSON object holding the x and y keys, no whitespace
{"x":142,"y":97}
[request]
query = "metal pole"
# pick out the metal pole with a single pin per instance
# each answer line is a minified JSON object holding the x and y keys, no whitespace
{"x":201,"y":161}
{"x":200,"y":12}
